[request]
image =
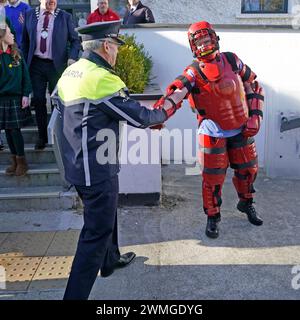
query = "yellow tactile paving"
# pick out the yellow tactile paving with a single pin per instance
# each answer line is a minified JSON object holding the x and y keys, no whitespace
{"x":52,"y":273}
{"x":64,"y":243}
{"x":19,"y":271}
{"x":26,"y":244}
{"x":37,"y":260}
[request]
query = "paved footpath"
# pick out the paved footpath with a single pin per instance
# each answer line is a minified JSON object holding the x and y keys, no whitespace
{"x":175,"y":260}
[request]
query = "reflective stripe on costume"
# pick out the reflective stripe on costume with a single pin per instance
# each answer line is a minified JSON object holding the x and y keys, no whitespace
{"x":215,"y":154}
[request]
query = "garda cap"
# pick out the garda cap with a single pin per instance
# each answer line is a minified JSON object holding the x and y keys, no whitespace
{"x":101,"y":30}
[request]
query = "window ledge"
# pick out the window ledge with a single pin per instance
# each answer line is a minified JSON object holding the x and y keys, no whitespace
{"x":264,"y":16}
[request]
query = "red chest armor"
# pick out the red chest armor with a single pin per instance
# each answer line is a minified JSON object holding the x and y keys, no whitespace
{"x":219,"y":94}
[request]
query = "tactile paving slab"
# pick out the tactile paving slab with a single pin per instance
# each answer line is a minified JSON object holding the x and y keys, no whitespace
{"x":19,"y":271}
{"x":26,"y":244}
{"x":52,"y":273}
{"x":64,"y":243}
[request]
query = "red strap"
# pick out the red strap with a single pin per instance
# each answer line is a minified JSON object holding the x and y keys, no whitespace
{"x":43,"y":42}
{"x":8,"y":51}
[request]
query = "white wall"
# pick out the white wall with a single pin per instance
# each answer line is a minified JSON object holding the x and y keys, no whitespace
{"x":271,"y":53}
{"x":215,"y":11}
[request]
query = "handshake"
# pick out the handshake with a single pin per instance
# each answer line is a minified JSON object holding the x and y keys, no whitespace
{"x":170,"y":104}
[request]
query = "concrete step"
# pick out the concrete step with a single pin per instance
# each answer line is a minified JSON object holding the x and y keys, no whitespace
{"x":32,"y":156}
{"x":44,"y":174}
{"x":37,"y":198}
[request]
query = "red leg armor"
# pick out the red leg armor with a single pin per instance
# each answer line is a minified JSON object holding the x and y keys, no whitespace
{"x":213,"y":159}
{"x":243,"y":159}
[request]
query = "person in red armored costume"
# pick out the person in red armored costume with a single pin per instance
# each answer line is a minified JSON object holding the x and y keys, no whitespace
{"x":229,"y":102}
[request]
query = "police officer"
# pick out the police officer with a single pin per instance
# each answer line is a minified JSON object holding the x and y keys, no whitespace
{"x":91,"y":97}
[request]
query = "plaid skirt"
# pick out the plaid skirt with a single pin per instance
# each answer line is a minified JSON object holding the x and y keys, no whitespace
{"x":12,"y":116}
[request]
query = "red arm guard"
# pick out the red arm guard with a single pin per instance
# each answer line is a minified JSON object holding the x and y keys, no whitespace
{"x":255,"y":99}
{"x":183,"y":81}
{"x":246,"y":73}
{"x":169,"y":111}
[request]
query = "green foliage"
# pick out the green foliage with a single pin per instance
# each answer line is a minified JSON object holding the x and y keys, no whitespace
{"x":133,"y":65}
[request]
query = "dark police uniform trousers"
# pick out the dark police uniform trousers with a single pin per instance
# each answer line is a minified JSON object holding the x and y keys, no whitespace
{"x":98,"y":238}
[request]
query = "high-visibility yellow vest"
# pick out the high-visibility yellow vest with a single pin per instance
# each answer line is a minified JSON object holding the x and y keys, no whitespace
{"x":86,"y":80}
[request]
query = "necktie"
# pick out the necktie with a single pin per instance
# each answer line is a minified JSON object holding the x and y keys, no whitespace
{"x":44,"y":32}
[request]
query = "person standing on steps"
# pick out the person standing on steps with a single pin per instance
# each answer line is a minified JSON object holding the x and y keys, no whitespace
{"x":102,"y":13}
{"x":138,"y":13}
{"x":49,"y":44}
{"x":15,"y":11}
{"x":15,"y":88}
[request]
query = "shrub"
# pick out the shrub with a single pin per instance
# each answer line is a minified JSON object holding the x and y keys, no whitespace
{"x":133,"y":65}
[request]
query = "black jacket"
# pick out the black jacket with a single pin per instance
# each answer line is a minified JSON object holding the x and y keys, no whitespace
{"x":142,"y":14}
{"x":84,"y":122}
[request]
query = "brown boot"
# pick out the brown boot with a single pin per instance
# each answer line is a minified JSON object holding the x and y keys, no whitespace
{"x":11,"y":170}
{"x":22,"y":166}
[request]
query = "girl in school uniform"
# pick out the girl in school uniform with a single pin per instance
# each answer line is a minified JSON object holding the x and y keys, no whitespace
{"x":15,"y":88}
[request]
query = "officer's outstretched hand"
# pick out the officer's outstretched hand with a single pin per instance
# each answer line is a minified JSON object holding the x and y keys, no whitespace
{"x":159,"y":104}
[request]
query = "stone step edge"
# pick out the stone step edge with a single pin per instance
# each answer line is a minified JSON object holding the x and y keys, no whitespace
{"x":38,"y":195}
{"x":29,"y":148}
{"x":34,"y":171}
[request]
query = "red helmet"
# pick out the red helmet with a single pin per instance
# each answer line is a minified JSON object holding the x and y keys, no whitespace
{"x":203,"y":40}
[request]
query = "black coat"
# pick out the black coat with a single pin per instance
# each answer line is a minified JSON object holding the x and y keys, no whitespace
{"x":142,"y":14}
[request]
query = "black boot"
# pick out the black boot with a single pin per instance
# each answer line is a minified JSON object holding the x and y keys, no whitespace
{"x":247,"y":207}
{"x":212,"y":229}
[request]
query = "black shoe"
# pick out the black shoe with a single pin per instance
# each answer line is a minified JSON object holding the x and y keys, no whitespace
{"x":1,"y":147}
{"x":125,"y":260}
{"x":212,"y":229}
{"x":40,"y":145}
{"x":247,"y":207}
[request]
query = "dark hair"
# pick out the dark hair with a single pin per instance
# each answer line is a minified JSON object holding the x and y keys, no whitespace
{"x":15,"y":52}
